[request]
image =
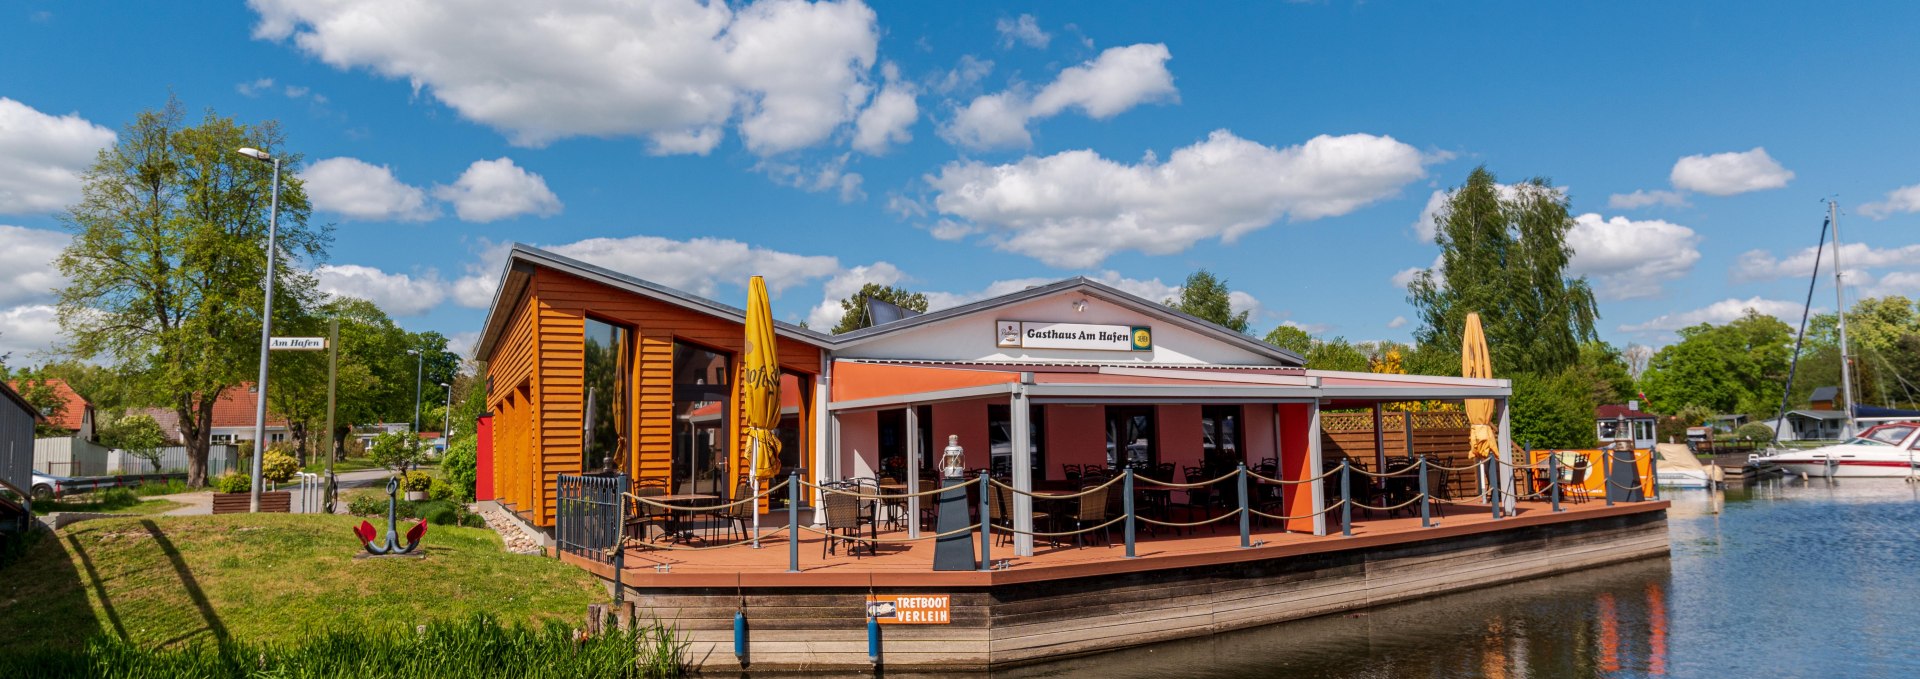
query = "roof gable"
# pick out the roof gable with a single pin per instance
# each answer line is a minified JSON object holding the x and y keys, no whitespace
{"x":73,"y":416}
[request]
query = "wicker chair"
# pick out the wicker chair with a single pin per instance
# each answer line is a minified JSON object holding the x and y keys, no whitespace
{"x":740,"y":516}
{"x":1002,"y":508}
{"x":1093,"y":512}
{"x":843,"y":518}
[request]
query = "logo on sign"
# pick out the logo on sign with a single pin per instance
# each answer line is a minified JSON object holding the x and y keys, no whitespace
{"x":910,"y":609}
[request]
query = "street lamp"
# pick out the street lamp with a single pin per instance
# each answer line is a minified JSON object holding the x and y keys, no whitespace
{"x":266,"y":327}
{"x":418,"y":364}
{"x":446,"y":421}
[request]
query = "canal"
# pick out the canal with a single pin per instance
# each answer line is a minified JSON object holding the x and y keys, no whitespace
{"x":1786,"y":578}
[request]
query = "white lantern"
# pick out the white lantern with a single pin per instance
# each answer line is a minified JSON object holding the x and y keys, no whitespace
{"x":953,"y":461}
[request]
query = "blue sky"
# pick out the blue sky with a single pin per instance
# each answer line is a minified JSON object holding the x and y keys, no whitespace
{"x":964,"y":149}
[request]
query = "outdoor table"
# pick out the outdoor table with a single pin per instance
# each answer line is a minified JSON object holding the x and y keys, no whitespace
{"x":890,"y":489}
{"x":675,"y":531}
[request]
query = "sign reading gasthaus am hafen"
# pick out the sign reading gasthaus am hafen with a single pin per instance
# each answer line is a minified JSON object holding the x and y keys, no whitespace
{"x":1040,"y":335}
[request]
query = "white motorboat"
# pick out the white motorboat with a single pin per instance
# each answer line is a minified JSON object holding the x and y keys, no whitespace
{"x":1888,"y":450}
{"x":1678,"y":468}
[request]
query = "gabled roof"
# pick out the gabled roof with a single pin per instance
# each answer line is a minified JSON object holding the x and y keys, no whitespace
{"x":1612,"y":411}
{"x":236,"y":408}
{"x":1820,"y":414}
{"x":1824,"y":393}
{"x":74,"y":415}
{"x":522,"y":258}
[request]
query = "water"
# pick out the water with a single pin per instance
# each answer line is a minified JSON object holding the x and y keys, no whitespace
{"x":1784,"y":579}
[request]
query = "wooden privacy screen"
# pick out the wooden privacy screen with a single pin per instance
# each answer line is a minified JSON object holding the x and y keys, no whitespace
{"x":1441,"y":436}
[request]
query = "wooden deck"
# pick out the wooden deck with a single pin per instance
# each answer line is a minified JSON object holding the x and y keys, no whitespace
{"x":910,"y":565}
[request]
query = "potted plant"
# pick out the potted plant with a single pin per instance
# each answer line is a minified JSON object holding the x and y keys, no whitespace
{"x":416,"y":483}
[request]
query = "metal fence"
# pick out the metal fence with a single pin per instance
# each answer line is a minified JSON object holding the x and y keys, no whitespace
{"x":588,"y":515}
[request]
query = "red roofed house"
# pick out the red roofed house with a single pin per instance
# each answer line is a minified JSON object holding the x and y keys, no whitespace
{"x":76,"y":416}
{"x":234,"y":413}
{"x":1613,"y":422}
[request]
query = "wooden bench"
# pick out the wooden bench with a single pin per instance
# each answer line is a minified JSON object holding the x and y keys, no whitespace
{"x":280,"y":501}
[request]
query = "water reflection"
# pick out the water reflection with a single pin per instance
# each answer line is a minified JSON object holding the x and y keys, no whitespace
{"x":1782,"y":579}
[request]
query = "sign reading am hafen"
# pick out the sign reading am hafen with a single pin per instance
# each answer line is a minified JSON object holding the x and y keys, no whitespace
{"x":297,"y":343}
{"x":1088,"y":336}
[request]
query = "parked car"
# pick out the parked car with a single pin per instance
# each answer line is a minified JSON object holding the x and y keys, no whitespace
{"x":46,"y":486}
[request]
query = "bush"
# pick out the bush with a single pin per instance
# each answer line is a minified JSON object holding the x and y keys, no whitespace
{"x":1755,"y":431}
{"x":441,"y":515}
{"x":416,"y":481}
{"x":232,"y":482}
{"x":278,"y":467}
{"x":167,"y":487}
{"x":459,"y":467}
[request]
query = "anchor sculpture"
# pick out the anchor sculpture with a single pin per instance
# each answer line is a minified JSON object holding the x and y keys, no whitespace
{"x":365,"y":530}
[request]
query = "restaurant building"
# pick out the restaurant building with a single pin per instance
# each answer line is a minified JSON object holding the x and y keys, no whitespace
{"x":592,"y":370}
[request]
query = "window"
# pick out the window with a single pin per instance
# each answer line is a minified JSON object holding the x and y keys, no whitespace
{"x":1220,"y":427}
{"x":605,"y":384}
{"x":1000,"y":439}
{"x":1130,"y":433}
{"x":701,"y":417}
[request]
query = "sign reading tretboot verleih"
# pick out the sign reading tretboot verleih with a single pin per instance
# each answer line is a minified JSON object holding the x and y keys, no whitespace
{"x":1037,"y":335}
{"x":297,"y":343}
{"x":910,"y":609}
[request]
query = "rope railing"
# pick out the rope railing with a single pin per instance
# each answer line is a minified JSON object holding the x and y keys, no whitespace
{"x":1402,"y":505}
{"x":826,"y":488}
{"x":649,"y":544}
{"x":1268,"y":479}
{"x":1280,"y":517}
{"x":1171,"y":524}
{"x":1462,"y":468}
{"x":1177,"y":486}
{"x":1041,"y":534}
{"x":889,"y":541}
{"x":1050,"y":496}
{"x":756,"y":497}
{"x":1409,"y":470}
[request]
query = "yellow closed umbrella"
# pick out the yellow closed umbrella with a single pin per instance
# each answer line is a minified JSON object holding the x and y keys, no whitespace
{"x":760,"y":393}
{"x":1475,"y":362}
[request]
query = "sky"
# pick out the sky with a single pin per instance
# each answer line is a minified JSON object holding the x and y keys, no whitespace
{"x":966,"y":149}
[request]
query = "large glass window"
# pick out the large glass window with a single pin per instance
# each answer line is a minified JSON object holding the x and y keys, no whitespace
{"x":1000,"y":439}
{"x":605,"y":383}
{"x":1220,"y":425}
{"x":1130,"y":440}
{"x":701,"y":416}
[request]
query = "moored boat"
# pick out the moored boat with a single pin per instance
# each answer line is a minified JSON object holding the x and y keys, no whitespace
{"x":1887,"y":450}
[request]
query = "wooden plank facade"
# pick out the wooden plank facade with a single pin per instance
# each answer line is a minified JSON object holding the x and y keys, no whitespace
{"x":535,"y":384}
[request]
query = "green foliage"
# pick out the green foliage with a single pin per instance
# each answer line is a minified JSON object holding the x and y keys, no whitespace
{"x":233,"y":482}
{"x":1336,"y":354}
{"x":1505,"y":256}
{"x":854,"y":309}
{"x":1206,"y":296}
{"x":416,"y":481}
{"x":1883,"y":336}
{"x":1755,"y":431}
{"x":168,"y":252}
{"x":1740,"y":367}
{"x":1290,"y":338}
{"x":1554,"y":411}
{"x":278,"y":467}
{"x":459,"y":467}
{"x":34,"y":388}
{"x":397,"y":451}
{"x":1602,"y":367}
{"x":479,"y":646}
{"x":137,"y":435}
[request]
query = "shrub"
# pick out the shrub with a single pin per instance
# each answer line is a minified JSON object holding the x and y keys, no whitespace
{"x":232,"y":482}
{"x":167,"y":487}
{"x":416,"y":481}
{"x":442,"y":515}
{"x":278,"y":467}
{"x":459,"y":467}
{"x":443,"y":489}
{"x":1755,"y":431}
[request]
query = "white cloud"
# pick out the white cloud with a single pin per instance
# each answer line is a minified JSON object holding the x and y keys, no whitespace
{"x":1630,"y":259}
{"x":1404,"y":277}
{"x":844,"y":284}
{"x":831,"y":175}
{"x":396,"y":293}
{"x":965,"y":75}
{"x":356,"y":189}
{"x":461,"y":343}
{"x":1426,"y":227}
{"x":1720,"y":312}
{"x":28,"y":330}
{"x":1075,"y":208}
{"x":497,"y":189}
{"x":1903,"y":283}
{"x":887,"y":120}
{"x":787,"y":74}
{"x":254,"y":87}
{"x":1726,"y":174}
{"x":698,"y":266}
{"x":1397,"y":323}
{"x":1905,"y":199}
{"x":1117,"y":80}
{"x":1024,"y":30}
{"x":27,"y":270}
{"x":1315,"y":329}
{"x":42,"y":157}
{"x":1760,"y":265}
{"x":1643,"y":198}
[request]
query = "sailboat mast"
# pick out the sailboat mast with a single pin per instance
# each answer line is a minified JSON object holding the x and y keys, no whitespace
{"x":1840,"y":294}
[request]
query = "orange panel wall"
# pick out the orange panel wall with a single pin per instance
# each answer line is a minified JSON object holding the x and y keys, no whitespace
{"x":859,"y":440}
{"x":1076,"y":434}
{"x":969,"y":420}
{"x":1256,"y":434}
{"x":1181,"y":435}
{"x":1296,"y":462}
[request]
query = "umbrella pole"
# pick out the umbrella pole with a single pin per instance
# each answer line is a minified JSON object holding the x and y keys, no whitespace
{"x":754,"y":471}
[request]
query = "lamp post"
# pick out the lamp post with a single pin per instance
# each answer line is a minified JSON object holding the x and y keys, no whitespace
{"x":446,"y":421}
{"x":266,"y":327}
{"x":418,"y":364}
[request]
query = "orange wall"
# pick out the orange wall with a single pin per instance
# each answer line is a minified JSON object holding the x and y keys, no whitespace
{"x":969,"y":420}
{"x":1181,"y":436}
{"x":1076,"y":434}
{"x":1296,"y":462}
{"x":1256,"y":433}
{"x":542,"y":350}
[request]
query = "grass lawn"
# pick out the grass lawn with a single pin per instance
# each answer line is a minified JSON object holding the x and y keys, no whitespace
{"x":167,"y":580}
{"x":83,"y":504}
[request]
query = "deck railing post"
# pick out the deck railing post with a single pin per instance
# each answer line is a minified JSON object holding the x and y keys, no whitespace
{"x":986,"y":523}
{"x":1346,"y":499}
{"x":562,"y":524}
{"x":1426,"y":516}
{"x":619,"y":538}
{"x":1493,"y":484}
{"x":1553,"y":478}
{"x":793,"y":522}
{"x":1126,"y":482}
{"x":1606,"y":473}
{"x":1246,"y":522}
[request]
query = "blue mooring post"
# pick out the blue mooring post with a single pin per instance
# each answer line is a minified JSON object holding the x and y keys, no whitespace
{"x":1127,"y":504}
{"x":740,"y":634}
{"x":873,"y":639}
{"x":1246,"y":518}
{"x":1553,"y":477}
{"x":986,"y":528}
{"x":1606,"y":473}
{"x":793,"y":522}
{"x":1426,"y":518}
{"x":1346,"y":500}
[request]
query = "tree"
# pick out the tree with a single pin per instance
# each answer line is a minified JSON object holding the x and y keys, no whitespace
{"x":1336,"y":354}
{"x":1636,"y":357}
{"x":34,"y":389}
{"x":1291,"y":338}
{"x":1206,"y":296}
{"x":854,"y":309}
{"x":1740,"y":367}
{"x":397,"y":451}
{"x":167,"y":258}
{"x":1504,"y":254}
{"x":139,"y":436}
{"x":1605,"y":371}
{"x":1554,"y":411}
